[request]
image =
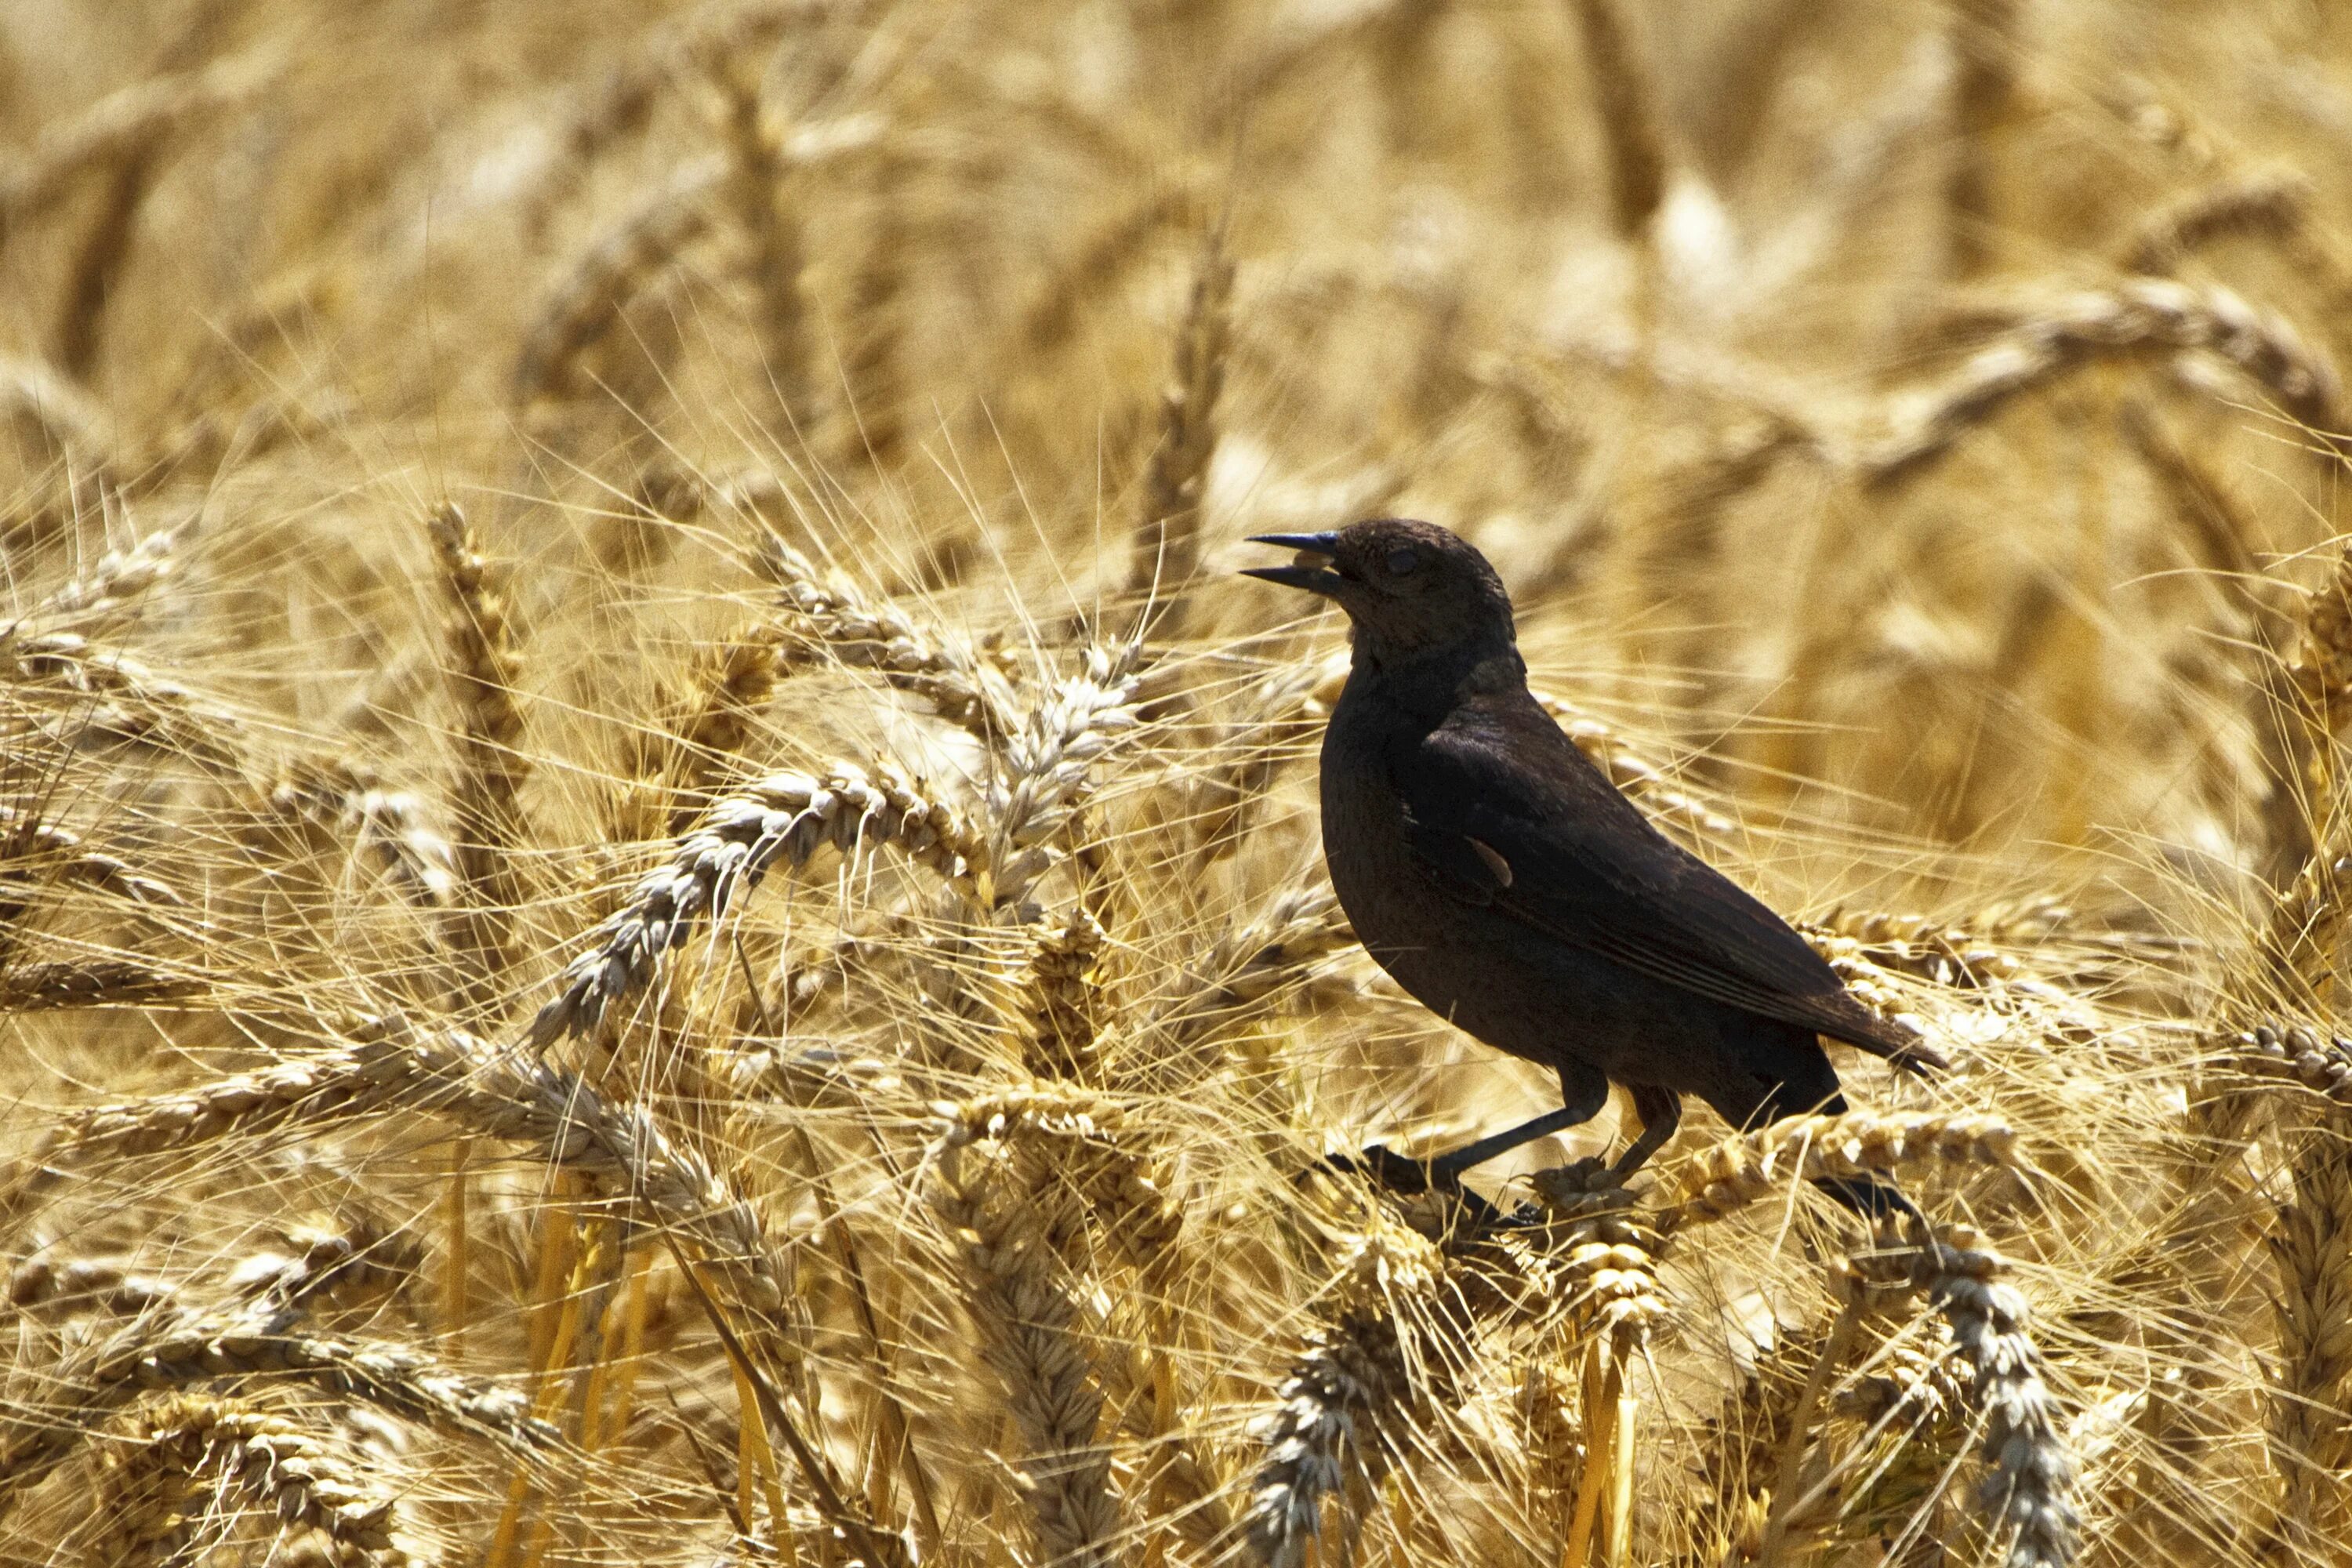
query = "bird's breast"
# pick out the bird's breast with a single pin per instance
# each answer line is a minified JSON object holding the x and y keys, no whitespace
{"x":1398,"y":912}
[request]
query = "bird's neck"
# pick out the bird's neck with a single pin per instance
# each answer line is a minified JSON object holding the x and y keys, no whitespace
{"x":1434,"y":680}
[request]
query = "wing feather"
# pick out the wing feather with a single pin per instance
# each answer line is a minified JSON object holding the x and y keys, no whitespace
{"x":1506,"y":811}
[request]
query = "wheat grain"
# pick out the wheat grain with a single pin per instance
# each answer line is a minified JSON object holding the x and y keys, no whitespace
{"x":2297,"y":1055}
{"x":1245,"y":967}
{"x":36,"y":852}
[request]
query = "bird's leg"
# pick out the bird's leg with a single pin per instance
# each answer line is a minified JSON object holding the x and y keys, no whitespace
{"x":1661,"y":1111}
{"x":1582,"y":1090}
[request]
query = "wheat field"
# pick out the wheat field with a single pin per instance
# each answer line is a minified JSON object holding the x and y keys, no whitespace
{"x":662,"y":897}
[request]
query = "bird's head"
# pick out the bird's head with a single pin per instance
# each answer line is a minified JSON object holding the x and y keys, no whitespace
{"x":1409,"y":587}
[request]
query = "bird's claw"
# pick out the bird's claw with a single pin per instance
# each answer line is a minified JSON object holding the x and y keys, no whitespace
{"x":1409,"y":1177}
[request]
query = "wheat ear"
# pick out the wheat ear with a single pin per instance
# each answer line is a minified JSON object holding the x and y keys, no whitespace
{"x":114,"y":127}
{"x":192,"y":1348}
{"x":1061,"y":1007}
{"x":1166,"y":549}
{"x":1248,"y":966}
{"x":2135,"y":318}
{"x":2267,"y":202}
{"x":288,"y":1475}
{"x":392,"y":825}
{"x":1028,"y":1319}
{"x":1348,"y":1397}
{"x":1048,"y":762}
{"x":590,"y":295}
{"x":491,"y":762}
{"x":770,"y":234}
{"x":2028,"y":1493}
{"x":110,"y":586}
{"x":784,"y":816}
{"x":825,"y":612}
{"x":100,"y":694}
{"x":1737,"y":1171}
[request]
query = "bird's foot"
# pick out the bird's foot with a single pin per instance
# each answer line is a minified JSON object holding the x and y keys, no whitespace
{"x":1411,"y":1178}
{"x":1396,"y":1173}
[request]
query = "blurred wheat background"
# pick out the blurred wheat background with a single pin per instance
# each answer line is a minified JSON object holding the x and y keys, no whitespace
{"x":659,"y":902}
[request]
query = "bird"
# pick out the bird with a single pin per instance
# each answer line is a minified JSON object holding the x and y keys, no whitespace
{"x":1503,"y":881}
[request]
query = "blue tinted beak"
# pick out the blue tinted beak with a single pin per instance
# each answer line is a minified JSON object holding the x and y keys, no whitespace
{"x":1302,"y":572}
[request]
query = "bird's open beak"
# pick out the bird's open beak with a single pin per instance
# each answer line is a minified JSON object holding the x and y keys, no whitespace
{"x":1302,"y":573}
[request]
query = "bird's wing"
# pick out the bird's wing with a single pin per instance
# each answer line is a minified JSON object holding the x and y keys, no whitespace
{"x":1507,"y":811}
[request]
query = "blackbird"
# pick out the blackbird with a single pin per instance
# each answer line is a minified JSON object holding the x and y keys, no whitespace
{"x":1505,"y":882}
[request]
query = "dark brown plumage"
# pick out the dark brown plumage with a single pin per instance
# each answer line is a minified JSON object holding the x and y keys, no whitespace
{"x":1507,"y":884}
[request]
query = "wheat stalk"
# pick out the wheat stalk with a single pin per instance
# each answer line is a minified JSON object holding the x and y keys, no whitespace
{"x":1984,"y":38}
{"x":1630,"y":123}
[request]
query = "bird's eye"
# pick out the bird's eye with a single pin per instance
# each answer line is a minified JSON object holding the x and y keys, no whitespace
{"x":1404,"y":560}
